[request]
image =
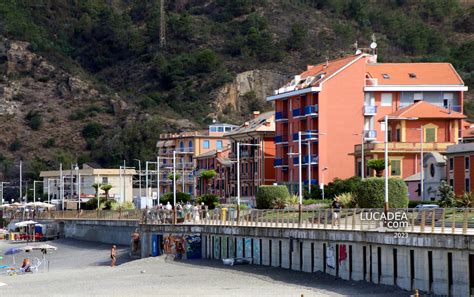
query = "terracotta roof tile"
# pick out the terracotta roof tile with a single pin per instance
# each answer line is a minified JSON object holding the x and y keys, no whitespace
{"x":426,"y":74}
{"x":425,"y":110}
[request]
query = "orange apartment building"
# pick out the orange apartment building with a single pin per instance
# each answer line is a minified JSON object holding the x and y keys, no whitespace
{"x":219,"y":161}
{"x":345,"y":100}
{"x":256,"y":162}
{"x":458,"y":170}
{"x":188,"y":146}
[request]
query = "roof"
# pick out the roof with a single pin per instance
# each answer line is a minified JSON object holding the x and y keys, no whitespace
{"x":256,"y":124}
{"x":225,"y":161}
{"x":210,"y":153}
{"x":460,"y":148}
{"x":425,"y":110}
{"x":425,"y":74}
{"x":414,"y":177}
{"x":439,"y":158}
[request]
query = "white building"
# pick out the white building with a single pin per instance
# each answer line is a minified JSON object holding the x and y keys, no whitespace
{"x":120,"y":180}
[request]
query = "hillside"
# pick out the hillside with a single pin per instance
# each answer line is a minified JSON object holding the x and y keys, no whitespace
{"x":92,"y":83}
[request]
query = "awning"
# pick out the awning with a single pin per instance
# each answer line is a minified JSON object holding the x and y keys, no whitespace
{"x":169,"y":143}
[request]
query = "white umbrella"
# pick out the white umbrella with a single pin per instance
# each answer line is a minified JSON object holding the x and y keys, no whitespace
{"x":43,"y":246}
{"x":25,"y":223}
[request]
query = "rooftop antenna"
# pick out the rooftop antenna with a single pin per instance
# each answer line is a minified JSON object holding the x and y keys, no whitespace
{"x":327,"y":62}
{"x":162,"y":24}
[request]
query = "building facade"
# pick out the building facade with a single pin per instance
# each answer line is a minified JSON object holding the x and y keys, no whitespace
{"x":121,"y":181}
{"x":217,"y":160}
{"x":187,"y":145}
{"x":434,"y":172}
{"x":255,"y":139}
{"x":339,"y":104}
{"x":458,"y":170}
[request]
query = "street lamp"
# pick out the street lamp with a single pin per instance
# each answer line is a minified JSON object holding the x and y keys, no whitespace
{"x":238,"y":173}
{"x":139,"y":176}
{"x":2,"y":187}
{"x":386,"y":118}
{"x":34,"y":189}
{"x":362,"y":163}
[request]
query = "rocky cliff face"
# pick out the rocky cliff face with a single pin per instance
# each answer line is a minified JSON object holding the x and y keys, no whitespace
{"x":235,"y":95}
{"x":30,"y":84}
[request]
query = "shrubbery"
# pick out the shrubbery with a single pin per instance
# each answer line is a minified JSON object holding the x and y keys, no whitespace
{"x":371,"y":193}
{"x":210,"y":200}
{"x":347,"y":200}
{"x":180,"y":197}
{"x":272,"y":196}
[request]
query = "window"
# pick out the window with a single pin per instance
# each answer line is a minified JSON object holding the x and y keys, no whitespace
{"x":386,"y":99}
{"x":396,"y":167}
{"x":466,"y":163}
{"x":467,"y":185}
{"x":220,"y":129}
{"x":430,"y":134}
{"x":432,"y":170}
{"x":105,"y":180}
{"x":213,"y":129}
{"x":389,"y":134}
{"x":417,"y":97}
{"x":451,"y":182}
{"x":412,"y":74}
{"x":205,"y":144}
{"x":190,"y":146}
{"x":219,"y":144}
{"x":398,"y":134}
{"x":451,"y":164}
{"x":181,"y":146}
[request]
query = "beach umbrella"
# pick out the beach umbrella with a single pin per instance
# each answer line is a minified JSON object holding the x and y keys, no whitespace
{"x":44,"y":246}
{"x":25,"y":223}
{"x":12,"y":252}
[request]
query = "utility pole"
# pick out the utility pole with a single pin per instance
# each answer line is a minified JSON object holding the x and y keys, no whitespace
{"x":162,"y":24}
{"x":21,"y":180}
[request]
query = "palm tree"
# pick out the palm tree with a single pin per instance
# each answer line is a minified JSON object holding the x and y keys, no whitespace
{"x":106,"y":188}
{"x":96,"y":188}
{"x":378,"y":165}
{"x":170,"y":176}
{"x":208,"y":175}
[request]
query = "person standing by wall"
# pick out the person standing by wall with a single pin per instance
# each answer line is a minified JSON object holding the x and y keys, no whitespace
{"x":113,"y":255}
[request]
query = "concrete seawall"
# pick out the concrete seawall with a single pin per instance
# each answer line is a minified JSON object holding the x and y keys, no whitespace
{"x":437,"y":263}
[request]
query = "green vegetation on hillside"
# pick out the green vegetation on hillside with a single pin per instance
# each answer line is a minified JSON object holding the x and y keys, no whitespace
{"x":116,"y":44}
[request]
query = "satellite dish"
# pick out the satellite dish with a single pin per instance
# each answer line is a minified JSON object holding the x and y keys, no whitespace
{"x":358,"y":52}
{"x":373,"y":45}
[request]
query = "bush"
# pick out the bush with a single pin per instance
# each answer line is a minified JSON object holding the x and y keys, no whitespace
{"x":109,"y":204}
{"x":49,"y":143}
{"x":465,"y":200}
{"x":180,"y":197}
{"x":92,"y":203}
{"x":210,"y":200}
{"x":34,"y":120}
{"x":268,"y":196}
{"x":92,"y":130}
{"x":371,"y":193}
{"x":347,"y":200}
{"x":316,"y":201}
{"x":128,"y":205}
{"x":446,"y":194}
{"x":339,"y":186}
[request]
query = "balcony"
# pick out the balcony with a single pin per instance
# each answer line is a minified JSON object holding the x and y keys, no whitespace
{"x":280,"y":162}
{"x":370,"y":135}
{"x":296,"y":113}
{"x":308,"y":136}
{"x":279,"y":139}
{"x":313,"y":182}
{"x":281,"y":116}
{"x":311,"y":110}
{"x":314,"y":160}
{"x":401,"y":147}
{"x":370,"y":110}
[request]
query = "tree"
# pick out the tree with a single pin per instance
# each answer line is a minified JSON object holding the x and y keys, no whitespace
{"x":170,"y":176}
{"x":208,"y":175}
{"x":371,"y":193}
{"x":378,"y":165}
{"x":447,"y":197}
{"x":95,"y":186}
{"x":92,"y":130}
{"x":106,"y":188}
{"x":297,"y":38}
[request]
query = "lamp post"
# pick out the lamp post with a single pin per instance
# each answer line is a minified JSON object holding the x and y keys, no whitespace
{"x":2,"y":187}
{"x":97,"y":193}
{"x":386,"y":118}
{"x":139,"y":177}
{"x":238,"y":174}
{"x":34,"y":189}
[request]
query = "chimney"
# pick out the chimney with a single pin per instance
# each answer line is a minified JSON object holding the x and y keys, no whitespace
{"x":267,"y":123}
{"x":309,"y":67}
{"x":256,"y":113}
{"x":246,"y":124}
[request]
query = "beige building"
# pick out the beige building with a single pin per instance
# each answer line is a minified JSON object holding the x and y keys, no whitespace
{"x":188,"y":146}
{"x":121,"y":181}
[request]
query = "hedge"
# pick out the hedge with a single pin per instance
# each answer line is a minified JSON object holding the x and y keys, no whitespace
{"x":180,"y":197}
{"x":269,"y":196}
{"x":371,"y":193}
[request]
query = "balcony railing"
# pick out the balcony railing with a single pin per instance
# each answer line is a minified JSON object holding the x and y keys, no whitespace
{"x":457,"y":108}
{"x":281,"y":139}
{"x":370,"y":110}
{"x":370,"y":134}
{"x":314,"y":160}
{"x":308,"y":136}
{"x":281,"y":116}
{"x":296,"y":112}
{"x":311,"y":110}
{"x":313,"y":182}
{"x":376,"y":147}
{"x":280,"y":162}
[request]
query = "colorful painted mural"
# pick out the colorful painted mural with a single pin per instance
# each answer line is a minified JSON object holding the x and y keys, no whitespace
{"x":217,"y":247}
{"x":256,"y":251}
{"x":248,"y":247}
{"x":186,"y":246}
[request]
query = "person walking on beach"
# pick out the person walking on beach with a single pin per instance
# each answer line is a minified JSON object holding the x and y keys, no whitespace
{"x":113,"y":255}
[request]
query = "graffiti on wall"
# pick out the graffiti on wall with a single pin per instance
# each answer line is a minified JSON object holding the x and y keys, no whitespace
{"x":186,"y":246}
{"x":330,"y":257}
{"x":217,"y":247}
{"x":248,"y":247}
{"x":256,"y":251}
{"x":240,"y":248}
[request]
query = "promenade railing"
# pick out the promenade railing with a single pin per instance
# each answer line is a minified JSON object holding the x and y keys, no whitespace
{"x":412,"y":220}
